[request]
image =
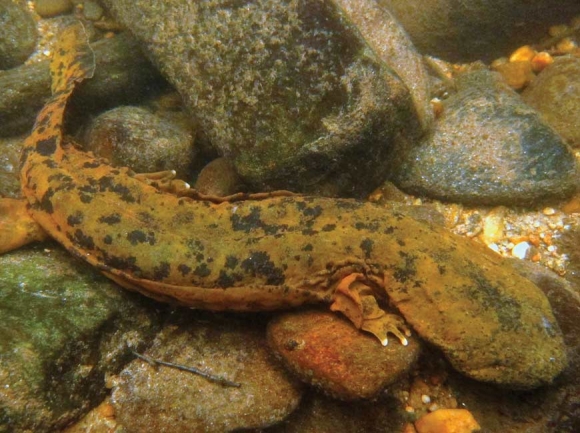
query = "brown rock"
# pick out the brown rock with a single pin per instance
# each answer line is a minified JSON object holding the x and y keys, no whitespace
{"x":136,"y":138}
{"x":164,"y":399}
{"x":219,"y":178}
{"x":555,"y":93}
{"x":327,"y":351}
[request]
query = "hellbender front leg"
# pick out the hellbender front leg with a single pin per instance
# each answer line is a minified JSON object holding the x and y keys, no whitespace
{"x":356,"y":300}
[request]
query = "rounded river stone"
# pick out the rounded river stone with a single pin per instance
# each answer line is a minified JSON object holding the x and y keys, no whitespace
{"x":489,"y":148}
{"x":289,"y":90}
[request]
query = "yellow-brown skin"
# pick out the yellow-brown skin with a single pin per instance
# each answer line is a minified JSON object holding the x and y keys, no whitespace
{"x":281,"y":252}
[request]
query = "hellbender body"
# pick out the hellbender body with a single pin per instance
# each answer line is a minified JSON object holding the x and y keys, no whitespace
{"x":280,"y":252}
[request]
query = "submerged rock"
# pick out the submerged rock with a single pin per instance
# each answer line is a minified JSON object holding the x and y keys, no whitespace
{"x":64,"y":329}
{"x":134,"y":137}
{"x":18,"y":35}
{"x":463,"y":31}
{"x":489,"y":148}
{"x":327,"y":351}
{"x":290,"y":91}
{"x":555,"y":93}
{"x":163,"y":399}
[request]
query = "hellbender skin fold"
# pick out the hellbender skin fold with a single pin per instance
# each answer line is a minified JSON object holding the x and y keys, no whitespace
{"x":372,"y":264}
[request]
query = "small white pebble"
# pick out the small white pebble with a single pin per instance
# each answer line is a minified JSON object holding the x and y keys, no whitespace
{"x":552,"y":248}
{"x":549,"y":211}
{"x":494,"y":247}
{"x":433,"y":407}
{"x":425,"y":399}
{"x":409,"y":409}
{"x":521,"y":250}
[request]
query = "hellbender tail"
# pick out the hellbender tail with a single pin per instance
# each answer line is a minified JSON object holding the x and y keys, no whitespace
{"x":72,"y":61}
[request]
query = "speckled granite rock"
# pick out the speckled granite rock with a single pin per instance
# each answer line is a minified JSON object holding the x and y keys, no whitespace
{"x":393,"y":46}
{"x":289,"y":90}
{"x":327,"y":351}
{"x":148,"y":399}
{"x":135,"y":137}
{"x":64,"y":328}
{"x":555,"y":93}
{"x":490,"y":148}
{"x":18,"y":35}
{"x":463,"y":31}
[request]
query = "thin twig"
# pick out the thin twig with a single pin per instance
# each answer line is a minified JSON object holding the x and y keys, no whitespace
{"x":217,"y":379}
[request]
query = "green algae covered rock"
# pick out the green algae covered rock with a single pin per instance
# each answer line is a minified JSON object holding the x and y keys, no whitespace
{"x":64,"y":327}
{"x":289,"y":90}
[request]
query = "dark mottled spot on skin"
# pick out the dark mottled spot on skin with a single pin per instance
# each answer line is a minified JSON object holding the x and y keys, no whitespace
{"x":441,"y":269}
{"x":202,"y":270}
{"x":86,"y":193}
{"x":328,"y":227}
{"x":489,"y":296}
{"x":184,"y":269}
{"x":127,"y":264}
{"x":253,"y":221}
{"x":258,"y":264}
{"x":108,"y":240}
{"x":50,"y":163}
{"x":46,"y":201}
{"x":225,"y":279}
{"x":92,"y":164}
{"x":248,"y":222}
{"x":161,"y":272}
{"x":372,"y":226}
{"x":231,"y":262}
{"x":401,"y":242}
{"x":310,"y":261}
{"x":140,"y":237}
{"x":24,"y":155}
{"x":367,"y":246}
{"x":297,"y":257}
{"x":111,"y":219}
{"x":46,"y":147}
{"x":75,"y":219}
{"x":199,"y":257}
{"x":408,"y":271}
{"x":107,"y":183}
{"x":307,"y":247}
{"x":82,"y":240}
{"x":309,"y":232}
{"x":312,"y":212}
{"x":60,"y":178}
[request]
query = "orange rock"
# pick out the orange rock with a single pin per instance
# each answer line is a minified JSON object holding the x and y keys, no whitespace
{"x":541,"y":60}
{"x":573,"y":206}
{"x":523,"y":54}
{"x":447,"y":421}
{"x":517,"y":74}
